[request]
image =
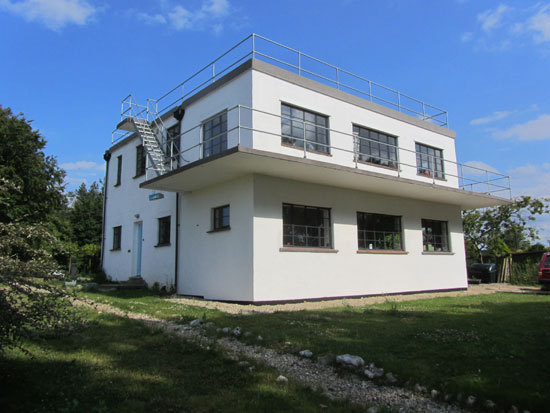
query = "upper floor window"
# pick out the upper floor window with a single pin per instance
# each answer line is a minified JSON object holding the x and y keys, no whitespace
{"x":214,"y":135}
{"x":172,"y":148}
{"x":164,"y":231}
{"x":300,"y":126}
{"x":118,"y":170}
{"x":220,"y":218}
{"x":429,"y":161}
{"x":375,"y":147}
{"x":435,"y":235}
{"x":379,"y":232}
{"x":117,"y":233}
{"x":306,"y":226}
{"x":140,"y":160}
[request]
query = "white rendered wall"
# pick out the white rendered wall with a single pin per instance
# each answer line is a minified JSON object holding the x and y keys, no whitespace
{"x":299,"y":275}
{"x":217,"y":265}
{"x":126,"y":201}
{"x":269,"y":92}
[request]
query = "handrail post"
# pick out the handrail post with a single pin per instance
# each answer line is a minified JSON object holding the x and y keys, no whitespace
{"x":488,"y":184}
{"x":399,"y":101}
{"x":253,"y":45}
{"x":423,"y":111}
{"x":239,"y":126}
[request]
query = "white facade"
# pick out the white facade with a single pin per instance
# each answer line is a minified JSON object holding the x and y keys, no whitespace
{"x":255,"y":174}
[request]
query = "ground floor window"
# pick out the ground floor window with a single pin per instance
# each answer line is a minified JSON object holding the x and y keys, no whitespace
{"x":435,"y":235}
{"x":306,"y":226}
{"x":164,"y":231}
{"x":117,"y":232}
{"x":379,"y":232}
{"x":220,"y":218}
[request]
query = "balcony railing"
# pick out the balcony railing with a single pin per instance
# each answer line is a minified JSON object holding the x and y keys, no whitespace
{"x":262,"y":130}
{"x":262,"y":48}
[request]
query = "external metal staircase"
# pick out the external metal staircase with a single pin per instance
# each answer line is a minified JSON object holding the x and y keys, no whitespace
{"x":151,"y":144}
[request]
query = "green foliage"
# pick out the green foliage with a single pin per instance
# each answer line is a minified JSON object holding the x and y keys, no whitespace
{"x":86,"y":215}
{"x":38,"y":178}
{"x":503,"y":229}
{"x":524,"y":273}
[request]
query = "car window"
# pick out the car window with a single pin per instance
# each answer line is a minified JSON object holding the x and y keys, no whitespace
{"x":547,"y":262}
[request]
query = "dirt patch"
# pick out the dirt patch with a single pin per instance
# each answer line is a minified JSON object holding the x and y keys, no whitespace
{"x":232,"y":308}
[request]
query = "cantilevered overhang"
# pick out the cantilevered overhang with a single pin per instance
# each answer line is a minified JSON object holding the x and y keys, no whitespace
{"x":240,"y":161}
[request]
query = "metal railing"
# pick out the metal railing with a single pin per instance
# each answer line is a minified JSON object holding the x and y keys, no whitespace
{"x":262,"y":48}
{"x":243,"y":120}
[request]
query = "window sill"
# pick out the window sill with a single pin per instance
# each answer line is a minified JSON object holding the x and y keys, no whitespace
{"x":287,"y":145}
{"x":378,"y":165}
{"x":218,"y":230}
{"x":167,"y":244}
{"x":115,"y":249}
{"x":394,"y":252}
{"x":438,"y":253}
{"x":306,"y":249}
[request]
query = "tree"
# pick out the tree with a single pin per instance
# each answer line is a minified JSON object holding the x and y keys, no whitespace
{"x":86,"y":215}
{"x":24,"y":164}
{"x":500,"y":230}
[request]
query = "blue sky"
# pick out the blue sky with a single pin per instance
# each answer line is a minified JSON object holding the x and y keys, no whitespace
{"x":66,"y":64}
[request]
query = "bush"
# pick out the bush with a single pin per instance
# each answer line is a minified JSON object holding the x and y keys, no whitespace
{"x":524,"y":273}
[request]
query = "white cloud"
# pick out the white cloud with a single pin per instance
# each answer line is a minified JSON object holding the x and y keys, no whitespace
{"x":466,"y":37}
{"x":495,"y":116}
{"x":539,"y":25}
{"x":492,"y":19}
{"x":54,"y":14}
{"x":83,"y":166}
{"x":533,"y":130}
{"x":477,"y":168}
{"x":209,"y":15}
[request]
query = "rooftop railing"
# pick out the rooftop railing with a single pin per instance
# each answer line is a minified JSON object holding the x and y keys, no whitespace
{"x":262,"y":48}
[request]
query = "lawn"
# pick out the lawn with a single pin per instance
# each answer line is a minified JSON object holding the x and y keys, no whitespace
{"x":490,"y":346}
{"x":116,"y":364}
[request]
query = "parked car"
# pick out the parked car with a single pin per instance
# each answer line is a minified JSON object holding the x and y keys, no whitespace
{"x":486,"y":273}
{"x":544,"y":271}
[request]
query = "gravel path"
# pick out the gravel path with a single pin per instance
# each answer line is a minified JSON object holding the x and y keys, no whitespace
{"x":312,"y":374}
{"x":232,"y":308}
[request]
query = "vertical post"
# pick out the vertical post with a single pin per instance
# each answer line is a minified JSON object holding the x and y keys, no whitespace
{"x":398,"y":153}
{"x":487,"y":180}
{"x":239,"y":126}
{"x":304,"y":129}
{"x":432,"y":166}
{"x":399,"y":101}
{"x":213,"y":71}
{"x":253,"y":46}
{"x":356,"y":148}
{"x":461,"y":176}
{"x":423,"y":111}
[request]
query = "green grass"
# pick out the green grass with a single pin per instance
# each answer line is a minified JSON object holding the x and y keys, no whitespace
{"x":491,"y":346}
{"x":116,"y":364}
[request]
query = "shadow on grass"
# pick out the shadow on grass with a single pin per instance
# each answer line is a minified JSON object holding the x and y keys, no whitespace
{"x":119,"y":365}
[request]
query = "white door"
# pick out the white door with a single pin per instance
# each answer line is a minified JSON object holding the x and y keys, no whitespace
{"x":138,"y":243}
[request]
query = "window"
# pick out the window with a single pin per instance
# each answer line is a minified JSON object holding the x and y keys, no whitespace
{"x":118,"y":170}
{"x":164,"y":231}
{"x":172,"y":148}
{"x":220,"y":218}
{"x":117,"y":232}
{"x":140,"y":160}
{"x":214,"y":135}
{"x":435,"y":236}
{"x":306,"y":226}
{"x":379,"y":232}
{"x":429,"y":161}
{"x":299,"y":126}
{"x":375,"y":147}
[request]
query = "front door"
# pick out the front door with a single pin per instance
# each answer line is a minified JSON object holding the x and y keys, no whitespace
{"x":138,"y":243}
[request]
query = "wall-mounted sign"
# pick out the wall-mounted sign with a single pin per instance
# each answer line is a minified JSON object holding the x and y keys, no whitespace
{"x":154,"y":197}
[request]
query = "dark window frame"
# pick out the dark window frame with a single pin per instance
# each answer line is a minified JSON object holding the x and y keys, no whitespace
{"x":164,"y":230}
{"x":221,"y":218}
{"x":435,"y":241}
{"x":295,"y":119}
{"x":214,"y":141}
{"x":429,"y":161}
{"x":376,"y":147}
{"x":173,"y":136}
{"x":118,"y":171}
{"x":117,"y":238}
{"x":141,"y":161}
{"x":378,"y":238}
{"x":303,"y":235}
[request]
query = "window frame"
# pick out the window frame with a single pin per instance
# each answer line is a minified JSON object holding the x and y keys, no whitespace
{"x":369,"y":158}
{"x":436,"y":164}
{"x":445,"y":243}
{"x":117,"y":238}
{"x":326,"y":228}
{"x":367,"y":246}
{"x":213,"y":140}
{"x":118,"y":171}
{"x":217,"y":219}
{"x":141,"y":161}
{"x":174,"y":138}
{"x":296,"y":142}
{"x":164,"y":232}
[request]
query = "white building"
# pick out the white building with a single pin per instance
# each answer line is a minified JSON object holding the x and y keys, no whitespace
{"x":280,"y":177}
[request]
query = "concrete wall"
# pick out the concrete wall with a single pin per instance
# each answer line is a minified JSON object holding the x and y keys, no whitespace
{"x":124,"y":203}
{"x":269,"y":92}
{"x":296,"y":275}
{"x":217,"y":265}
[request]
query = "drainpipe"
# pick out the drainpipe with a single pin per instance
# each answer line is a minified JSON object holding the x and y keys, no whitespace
{"x":107,"y":157}
{"x":177,"y":242}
